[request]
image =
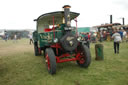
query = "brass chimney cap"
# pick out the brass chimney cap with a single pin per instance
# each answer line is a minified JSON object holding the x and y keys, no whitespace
{"x":66,"y":6}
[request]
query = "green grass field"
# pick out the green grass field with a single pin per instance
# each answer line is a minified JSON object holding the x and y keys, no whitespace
{"x":19,"y":66}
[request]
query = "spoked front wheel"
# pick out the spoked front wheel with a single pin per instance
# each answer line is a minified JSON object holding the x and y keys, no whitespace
{"x":50,"y":60}
{"x":84,"y":56}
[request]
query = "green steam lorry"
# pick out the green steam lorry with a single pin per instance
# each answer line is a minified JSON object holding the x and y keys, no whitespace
{"x":59,"y":41}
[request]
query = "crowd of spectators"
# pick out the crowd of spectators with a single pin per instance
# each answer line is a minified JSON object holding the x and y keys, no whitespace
{"x":105,"y":35}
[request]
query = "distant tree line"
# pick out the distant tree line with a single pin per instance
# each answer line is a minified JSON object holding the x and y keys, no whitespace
{"x":20,"y":34}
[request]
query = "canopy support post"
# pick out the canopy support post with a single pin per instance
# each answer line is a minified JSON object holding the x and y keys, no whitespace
{"x":53,"y":28}
{"x":76,"y":27}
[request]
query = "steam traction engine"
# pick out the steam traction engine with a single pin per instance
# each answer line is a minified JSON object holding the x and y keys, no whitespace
{"x":59,"y":41}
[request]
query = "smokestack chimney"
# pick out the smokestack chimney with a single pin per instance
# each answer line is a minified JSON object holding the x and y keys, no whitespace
{"x":110,"y":19}
{"x":123,"y":20}
{"x":67,"y":15}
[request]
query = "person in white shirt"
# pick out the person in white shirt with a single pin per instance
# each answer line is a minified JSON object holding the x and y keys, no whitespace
{"x":15,"y":38}
{"x":117,"y":39}
{"x":31,"y":40}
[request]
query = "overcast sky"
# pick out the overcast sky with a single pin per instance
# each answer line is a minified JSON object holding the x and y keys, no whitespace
{"x":19,"y":14}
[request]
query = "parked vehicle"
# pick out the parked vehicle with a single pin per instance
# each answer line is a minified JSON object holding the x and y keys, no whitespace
{"x":58,"y":40}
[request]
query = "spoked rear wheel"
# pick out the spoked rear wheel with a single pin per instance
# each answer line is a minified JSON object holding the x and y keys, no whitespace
{"x":50,"y":60}
{"x":84,"y":56}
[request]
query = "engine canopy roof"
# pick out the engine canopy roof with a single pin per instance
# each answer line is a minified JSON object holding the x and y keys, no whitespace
{"x":47,"y":18}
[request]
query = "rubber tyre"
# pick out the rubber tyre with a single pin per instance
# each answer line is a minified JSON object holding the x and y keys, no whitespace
{"x":83,"y":49}
{"x":36,"y":49}
{"x":51,"y":59}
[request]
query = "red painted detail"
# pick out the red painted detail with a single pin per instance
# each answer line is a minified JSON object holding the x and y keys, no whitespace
{"x":64,"y":55}
{"x":57,"y":45}
{"x":60,"y":60}
{"x":65,"y":60}
{"x":39,"y":50}
{"x":47,"y":61}
{"x":47,"y":30}
{"x":80,"y":57}
{"x":53,"y":28}
{"x":82,"y":60}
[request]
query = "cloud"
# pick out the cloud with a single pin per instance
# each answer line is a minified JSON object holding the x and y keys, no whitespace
{"x":122,"y":3}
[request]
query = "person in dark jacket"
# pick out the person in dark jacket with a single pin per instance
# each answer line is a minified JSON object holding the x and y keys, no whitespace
{"x":121,"y":33}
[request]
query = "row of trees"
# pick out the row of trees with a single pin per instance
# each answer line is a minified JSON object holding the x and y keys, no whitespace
{"x":9,"y":34}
